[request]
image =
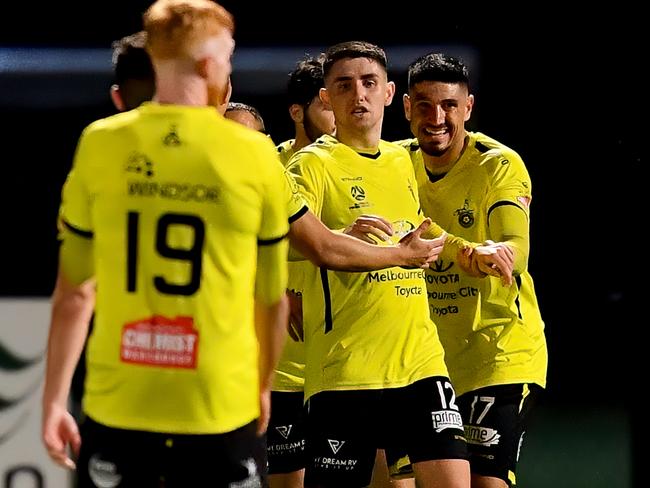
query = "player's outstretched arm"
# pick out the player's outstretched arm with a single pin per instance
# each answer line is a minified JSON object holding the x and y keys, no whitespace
{"x":337,"y":251}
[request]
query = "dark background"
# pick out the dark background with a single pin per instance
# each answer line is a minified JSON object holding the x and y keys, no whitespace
{"x":563,"y":89}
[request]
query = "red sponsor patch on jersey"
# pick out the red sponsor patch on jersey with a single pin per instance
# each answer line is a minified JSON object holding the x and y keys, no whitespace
{"x":524,"y":200}
{"x":160,"y":341}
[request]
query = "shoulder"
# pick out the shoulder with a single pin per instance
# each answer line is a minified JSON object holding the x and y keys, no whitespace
{"x":285,"y":151}
{"x":319,"y":151}
{"x":394,"y":151}
{"x":285,"y":146}
{"x":325,"y":145}
{"x":493,"y":153}
{"x":411,"y":145}
{"x":110,"y":124}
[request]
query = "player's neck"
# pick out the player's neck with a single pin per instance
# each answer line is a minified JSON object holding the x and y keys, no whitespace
{"x":180,"y":88}
{"x":442,"y":164}
{"x":366,"y":141}
{"x":301,"y":140}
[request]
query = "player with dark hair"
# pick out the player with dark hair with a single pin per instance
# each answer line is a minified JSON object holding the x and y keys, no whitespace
{"x":133,"y":73}
{"x":372,"y":352}
{"x":493,"y":335}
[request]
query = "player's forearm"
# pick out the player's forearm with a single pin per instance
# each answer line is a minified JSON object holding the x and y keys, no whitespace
{"x":340,"y":252}
{"x":453,"y":242}
{"x":72,"y":308}
{"x":271,"y":328}
{"x":509,"y":224}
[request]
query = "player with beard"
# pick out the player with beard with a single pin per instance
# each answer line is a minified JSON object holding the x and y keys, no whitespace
{"x":493,"y":335}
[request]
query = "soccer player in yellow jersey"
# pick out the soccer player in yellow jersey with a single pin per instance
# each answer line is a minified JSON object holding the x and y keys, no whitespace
{"x":246,"y":115}
{"x":478,"y":189}
{"x":372,"y":352}
{"x":286,"y":433}
{"x":187,"y":246}
{"x":311,"y":118}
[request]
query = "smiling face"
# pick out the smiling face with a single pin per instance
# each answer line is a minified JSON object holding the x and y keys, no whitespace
{"x":437,"y":113}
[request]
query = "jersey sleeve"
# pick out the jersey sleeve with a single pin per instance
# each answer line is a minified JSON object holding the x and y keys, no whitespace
{"x":76,"y":258}
{"x":75,"y":210}
{"x":296,"y":203}
{"x":271,"y":280}
{"x":510,"y":183}
{"x":306,"y":167}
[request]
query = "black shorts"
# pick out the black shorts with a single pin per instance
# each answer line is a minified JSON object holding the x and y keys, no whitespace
{"x":138,"y":459}
{"x":495,"y":422}
{"x":285,"y":436}
{"x":345,"y":428}
{"x":494,"y":431}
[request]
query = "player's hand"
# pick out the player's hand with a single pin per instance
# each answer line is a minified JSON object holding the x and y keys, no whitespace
{"x":294,"y":326}
{"x":366,"y":226}
{"x":265,"y":411}
{"x":489,"y":259}
{"x":421,"y":252}
{"x":59,"y":432}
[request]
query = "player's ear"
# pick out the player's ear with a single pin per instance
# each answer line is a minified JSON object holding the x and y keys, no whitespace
{"x":406,"y":100}
{"x":325,"y":98}
{"x":390,"y":93}
{"x":296,"y":112}
{"x":116,"y":97}
{"x":468,"y":107}
{"x":202,"y":67}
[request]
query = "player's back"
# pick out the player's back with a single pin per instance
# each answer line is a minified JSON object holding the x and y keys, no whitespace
{"x":176,"y":197}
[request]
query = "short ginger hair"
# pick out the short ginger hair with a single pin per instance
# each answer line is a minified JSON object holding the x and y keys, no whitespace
{"x":175,"y":27}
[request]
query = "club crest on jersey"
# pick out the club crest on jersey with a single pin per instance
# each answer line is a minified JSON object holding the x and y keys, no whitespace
{"x":465,"y":215}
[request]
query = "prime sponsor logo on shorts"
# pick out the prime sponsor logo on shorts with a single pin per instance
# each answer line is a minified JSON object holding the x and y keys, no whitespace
{"x":446,"y":419}
{"x":482,"y":436}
